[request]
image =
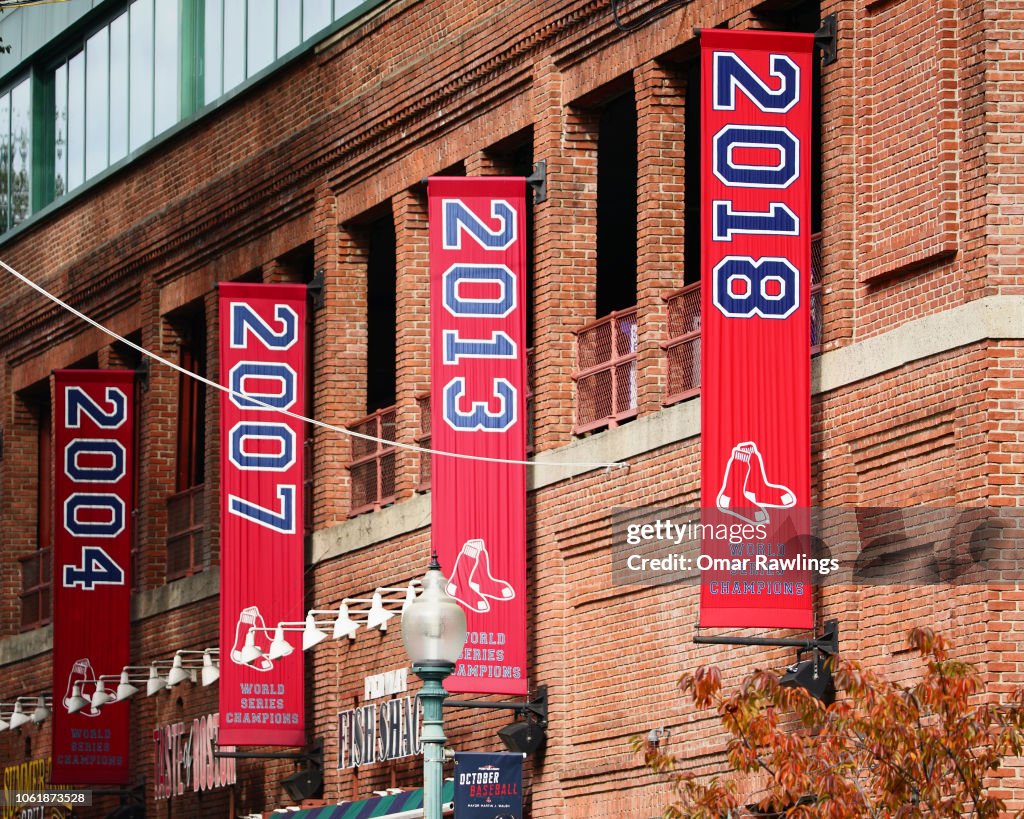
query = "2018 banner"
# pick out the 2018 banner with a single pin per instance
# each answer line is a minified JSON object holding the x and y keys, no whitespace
{"x":262,"y":355}
{"x":756,"y":112}
{"x":93,"y":433}
{"x":478,"y":388}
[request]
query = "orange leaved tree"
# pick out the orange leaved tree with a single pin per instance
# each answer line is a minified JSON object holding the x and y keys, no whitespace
{"x":930,"y":749}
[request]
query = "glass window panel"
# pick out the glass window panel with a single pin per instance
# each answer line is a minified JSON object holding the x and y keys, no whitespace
{"x":166,"y":62}
{"x":21,"y":148}
{"x":260,"y":51}
{"x":213,"y":54}
{"x":60,"y":131}
{"x":119,"y":88}
{"x":343,"y":7}
{"x":316,"y":14}
{"x":97,"y":97}
{"x":76,"y":120}
{"x":289,"y":26}
{"x":140,"y":24}
{"x":5,"y":160}
{"x":234,"y":43}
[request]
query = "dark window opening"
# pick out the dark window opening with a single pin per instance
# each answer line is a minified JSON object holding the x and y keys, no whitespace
{"x":691,"y":170}
{"x":380,"y":314}
{"x":36,"y":568}
{"x":616,"y":205}
{"x":187,"y":546}
{"x":191,"y":441}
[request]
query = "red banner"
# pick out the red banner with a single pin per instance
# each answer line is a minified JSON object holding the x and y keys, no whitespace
{"x":756,"y":112}
{"x":94,"y":454}
{"x":262,"y":355}
{"x":478,"y":389}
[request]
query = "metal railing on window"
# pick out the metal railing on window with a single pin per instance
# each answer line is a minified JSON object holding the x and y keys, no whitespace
{"x":424,"y":437}
{"x":187,"y":549}
{"x":606,"y":372}
{"x":372,"y":469}
{"x":36,"y":574}
{"x":307,"y":485}
{"x":683,"y":345}
{"x":816,"y":321}
{"x":423,"y":440}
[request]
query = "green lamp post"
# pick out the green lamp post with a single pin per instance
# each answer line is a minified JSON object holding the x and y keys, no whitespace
{"x":434,"y":632}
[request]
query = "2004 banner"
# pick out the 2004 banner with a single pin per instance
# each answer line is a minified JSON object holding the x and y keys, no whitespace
{"x":478,"y":388}
{"x":94,"y":473}
{"x":262,"y":357}
{"x":756,"y":111}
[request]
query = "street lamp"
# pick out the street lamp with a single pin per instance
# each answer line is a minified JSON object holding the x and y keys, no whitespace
{"x":434,"y":632}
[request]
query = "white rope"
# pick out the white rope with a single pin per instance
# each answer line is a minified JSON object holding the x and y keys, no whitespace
{"x":296,"y":416}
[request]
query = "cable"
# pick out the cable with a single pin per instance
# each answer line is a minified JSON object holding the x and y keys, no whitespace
{"x":295,"y":415}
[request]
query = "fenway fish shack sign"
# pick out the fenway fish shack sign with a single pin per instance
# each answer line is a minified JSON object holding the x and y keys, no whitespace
{"x":380,"y":731}
{"x":185,"y":760}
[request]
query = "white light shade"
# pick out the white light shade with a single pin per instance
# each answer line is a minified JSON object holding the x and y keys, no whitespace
{"x":177,"y":674}
{"x":311,"y":635}
{"x":42,"y":712}
{"x":4,"y":725}
{"x":100,"y":696}
{"x":211,"y":672}
{"x":279,"y":647}
{"x":155,"y":682}
{"x":124,"y":688}
{"x":19,"y":717}
{"x":251,"y":652}
{"x":345,"y":625}
{"x":410,"y":595}
{"x":76,"y":702}
{"x":434,"y":626}
{"x":378,"y":616}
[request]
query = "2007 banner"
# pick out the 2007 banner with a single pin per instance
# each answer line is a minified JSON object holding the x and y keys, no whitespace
{"x":756,"y":112}
{"x":262,"y":360}
{"x":478,"y":388}
{"x":94,"y":473}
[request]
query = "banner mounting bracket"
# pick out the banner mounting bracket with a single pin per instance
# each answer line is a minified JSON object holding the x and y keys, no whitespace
{"x":825,"y":39}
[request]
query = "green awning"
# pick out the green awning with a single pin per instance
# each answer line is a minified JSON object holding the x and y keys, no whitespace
{"x":376,"y":808}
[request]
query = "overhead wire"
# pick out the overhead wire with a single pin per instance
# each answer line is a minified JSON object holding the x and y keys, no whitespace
{"x":322,"y":424}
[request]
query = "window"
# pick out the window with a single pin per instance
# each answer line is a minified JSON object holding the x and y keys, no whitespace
{"x":36,"y":571}
{"x":125,"y":83}
{"x":380,"y":318}
{"x":187,"y":550}
{"x":616,"y":205}
{"x":15,"y":154}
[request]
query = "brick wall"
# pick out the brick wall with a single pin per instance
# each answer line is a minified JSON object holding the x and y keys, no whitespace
{"x":920,"y":213}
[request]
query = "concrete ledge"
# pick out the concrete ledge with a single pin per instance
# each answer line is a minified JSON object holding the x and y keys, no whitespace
{"x":150,"y":603}
{"x":995,"y":317}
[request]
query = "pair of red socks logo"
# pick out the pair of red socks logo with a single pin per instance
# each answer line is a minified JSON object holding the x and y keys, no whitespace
{"x":472,"y":583}
{"x":251,"y":629}
{"x":746,"y":492}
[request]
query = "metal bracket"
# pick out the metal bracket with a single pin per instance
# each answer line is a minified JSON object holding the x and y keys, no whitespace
{"x":825,"y":39}
{"x":828,"y":643}
{"x":538,"y":706}
{"x":538,"y":180}
{"x":313,"y":754}
{"x":315,"y":289}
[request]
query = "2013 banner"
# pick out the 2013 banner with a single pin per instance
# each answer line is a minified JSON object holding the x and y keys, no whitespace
{"x":756,"y":113}
{"x":93,"y":435}
{"x":262,"y":361}
{"x":478,"y":388}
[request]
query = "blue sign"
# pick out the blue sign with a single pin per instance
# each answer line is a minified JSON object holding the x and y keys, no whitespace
{"x":488,"y":786}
